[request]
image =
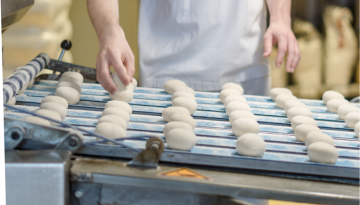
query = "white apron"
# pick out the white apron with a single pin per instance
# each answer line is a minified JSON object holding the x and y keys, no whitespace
{"x":204,"y":43}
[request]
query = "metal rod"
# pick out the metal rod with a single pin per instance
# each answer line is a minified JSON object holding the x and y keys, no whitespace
{"x":76,"y":128}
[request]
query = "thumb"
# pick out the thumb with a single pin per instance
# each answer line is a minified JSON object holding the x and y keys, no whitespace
{"x":267,"y":44}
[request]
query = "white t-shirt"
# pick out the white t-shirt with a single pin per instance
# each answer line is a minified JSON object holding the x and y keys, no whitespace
{"x":204,"y":43}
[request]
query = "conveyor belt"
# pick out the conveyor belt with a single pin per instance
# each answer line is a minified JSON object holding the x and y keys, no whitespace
{"x":216,"y":143}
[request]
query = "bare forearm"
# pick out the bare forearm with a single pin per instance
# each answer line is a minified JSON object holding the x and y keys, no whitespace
{"x":279,"y":11}
{"x":104,"y":15}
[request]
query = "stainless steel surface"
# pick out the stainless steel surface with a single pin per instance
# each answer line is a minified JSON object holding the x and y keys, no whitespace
{"x":224,"y":183}
{"x":85,"y":193}
{"x":212,"y":160}
{"x":149,"y":157}
{"x":13,"y":10}
{"x":37,"y":177}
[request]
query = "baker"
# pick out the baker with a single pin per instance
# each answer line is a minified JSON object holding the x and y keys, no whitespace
{"x":204,"y":43}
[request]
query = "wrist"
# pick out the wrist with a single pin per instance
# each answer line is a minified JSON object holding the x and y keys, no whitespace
{"x":282,"y":19}
{"x":107,"y":31}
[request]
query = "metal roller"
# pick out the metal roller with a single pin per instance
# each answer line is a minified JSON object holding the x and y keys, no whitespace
{"x":22,"y":77}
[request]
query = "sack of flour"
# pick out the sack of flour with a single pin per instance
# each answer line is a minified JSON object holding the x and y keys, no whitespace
{"x":341,"y":46}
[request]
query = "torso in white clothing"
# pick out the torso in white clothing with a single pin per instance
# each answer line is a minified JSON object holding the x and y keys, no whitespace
{"x":204,"y":43}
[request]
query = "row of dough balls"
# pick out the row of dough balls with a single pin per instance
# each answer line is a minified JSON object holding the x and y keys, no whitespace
{"x":336,"y":102}
{"x":179,"y":130}
{"x":320,"y":146}
{"x":53,"y":107}
{"x":114,"y":119}
{"x":124,"y":93}
{"x":243,"y":122}
{"x":69,"y":87}
{"x":293,"y":107}
{"x":182,"y":96}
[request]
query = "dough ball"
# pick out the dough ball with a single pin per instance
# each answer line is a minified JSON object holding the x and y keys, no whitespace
{"x":71,"y":95}
{"x":71,"y":79}
{"x":183,"y":117}
{"x":318,"y":136}
{"x":120,"y":85}
{"x":184,"y":88}
{"x":115,"y":119}
{"x":49,"y":114}
{"x":126,"y":95}
{"x":110,"y":130}
{"x":185,"y":102}
{"x":333,"y":104}
{"x":31,"y":83}
{"x":282,"y":98}
{"x":116,"y":111}
{"x":303,"y":130}
{"x":22,"y":90}
{"x":344,"y":109}
{"x":73,"y":74}
{"x":322,"y":152}
{"x":234,"y":86}
{"x":298,"y":111}
{"x":131,"y":86}
{"x":181,"y":139}
{"x":236,"y":105}
{"x":37,"y":120}
{"x":69,"y":84}
{"x":250,"y":145}
{"x":245,"y":125}
{"x":176,"y":124}
{"x":182,"y":94}
{"x":357,"y":129}
{"x":57,"y":99}
{"x":12,"y":101}
{"x":330,"y":94}
{"x":240,"y":114}
{"x":299,"y":120}
{"x":169,"y":85}
{"x":225,"y":93}
{"x":277,"y":91}
{"x":120,"y":104}
{"x":55,"y":106}
{"x":351,"y":119}
{"x":167,"y":112}
{"x":293,"y":103}
{"x":134,"y":83}
{"x":22,"y":95}
{"x":232,"y":98}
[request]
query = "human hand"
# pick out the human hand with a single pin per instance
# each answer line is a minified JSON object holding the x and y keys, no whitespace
{"x":114,"y":51}
{"x":280,"y":33}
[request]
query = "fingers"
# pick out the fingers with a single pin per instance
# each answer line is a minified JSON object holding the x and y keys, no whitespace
{"x":119,"y":67}
{"x":130,"y":66}
{"x":282,"y":48}
{"x":291,"y":56}
{"x":103,"y":75}
{"x":268,"y":42}
{"x":297,"y":57}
